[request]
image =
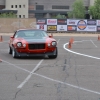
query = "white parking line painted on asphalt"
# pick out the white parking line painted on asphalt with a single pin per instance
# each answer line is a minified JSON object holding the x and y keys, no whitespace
{"x":29,"y":76}
{"x":58,"y":40}
{"x":64,"y":46}
{"x":48,"y":65}
{"x":15,"y":66}
{"x":77,"y":87}
{"x":93,"y":43}
{"x":51,"y":79}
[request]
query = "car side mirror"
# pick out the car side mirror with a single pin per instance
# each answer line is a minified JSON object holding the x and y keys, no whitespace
{"x":11,"y":37}
{"x":51,"y":36}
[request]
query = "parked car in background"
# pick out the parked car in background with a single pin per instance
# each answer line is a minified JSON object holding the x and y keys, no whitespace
{"x":32,"y":42}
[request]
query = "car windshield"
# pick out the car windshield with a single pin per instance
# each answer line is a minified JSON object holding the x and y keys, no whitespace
{"x":31,"y":34}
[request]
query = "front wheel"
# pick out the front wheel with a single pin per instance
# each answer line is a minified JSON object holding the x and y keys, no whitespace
{"x":56,"y":54}
{"x":14,"y":55}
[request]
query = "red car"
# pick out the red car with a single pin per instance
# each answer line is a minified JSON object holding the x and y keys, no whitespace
{"x":32,"y":42}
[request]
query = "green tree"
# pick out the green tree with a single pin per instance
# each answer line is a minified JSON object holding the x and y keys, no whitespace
{"x":70,"y":14}
{"x":95,"y":10}
{"x":8,"y":15}
{"x":78,"y":10}
{"x":60,"y":16}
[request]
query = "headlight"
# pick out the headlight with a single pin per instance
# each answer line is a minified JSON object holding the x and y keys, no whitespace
{"x":24,"y":45}
{"x":48,"y":44}
{"x":19,"y":44}
{"x":53,"y":43}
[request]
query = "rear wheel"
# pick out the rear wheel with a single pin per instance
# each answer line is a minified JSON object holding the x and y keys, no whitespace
{"x":54,"y":56}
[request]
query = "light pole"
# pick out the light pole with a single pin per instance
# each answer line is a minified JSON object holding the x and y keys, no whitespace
{"x":89,"y":14}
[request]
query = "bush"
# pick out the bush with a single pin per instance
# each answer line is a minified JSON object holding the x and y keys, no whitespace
{"x":60,"y":16}
{"x":8,"y":15}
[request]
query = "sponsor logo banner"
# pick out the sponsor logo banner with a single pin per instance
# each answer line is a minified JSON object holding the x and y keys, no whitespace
{"x":72,"y":22}
{"x":91,"y":22}
{"x":42,"y":27}
{"x":71,"y":28}
{"x":98,"y":22}
{"x":62,"y":21}
{"x":41,"y":21}
{"x":91,"y":28}
{"x":81,"y":25}
{"x":98,"y":28}
{"x":51,"y":28}
{"x":51,"y":21}
{"x":61,"y":27}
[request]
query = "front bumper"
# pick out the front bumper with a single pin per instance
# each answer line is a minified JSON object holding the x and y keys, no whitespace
{"x":36,"y":54}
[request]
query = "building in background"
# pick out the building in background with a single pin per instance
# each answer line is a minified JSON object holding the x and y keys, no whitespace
{"x":40,"y":8}
{"x":3,"y":6}
{"x":20,"y":5}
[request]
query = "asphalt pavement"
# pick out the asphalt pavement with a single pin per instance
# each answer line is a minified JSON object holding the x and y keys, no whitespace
{"x":73,"y":75}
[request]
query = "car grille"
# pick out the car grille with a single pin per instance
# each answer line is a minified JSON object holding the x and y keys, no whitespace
{"x":36,"y":46}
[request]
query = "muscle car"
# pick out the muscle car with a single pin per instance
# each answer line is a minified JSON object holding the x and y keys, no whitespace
{"x":32,"y":42}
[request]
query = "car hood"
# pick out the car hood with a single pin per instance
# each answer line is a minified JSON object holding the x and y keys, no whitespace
{"x":35,"y":40}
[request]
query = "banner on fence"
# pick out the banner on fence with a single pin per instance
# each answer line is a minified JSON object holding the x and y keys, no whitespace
{"x":61,"y":28}
{"x":51,"y":28}
{"x":71,"y":25}
{"x":71,"y":28}
{"x":82,"y":25}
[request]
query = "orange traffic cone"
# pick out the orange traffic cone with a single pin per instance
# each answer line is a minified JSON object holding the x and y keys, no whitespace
{"x":72,"y":40}
{"x":98,"y":37}
{"x":69,"y":45}
{"x":1,"y":39}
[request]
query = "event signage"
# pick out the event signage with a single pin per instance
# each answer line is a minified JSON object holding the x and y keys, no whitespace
{"x":71,"y":25}
{"x":71,"y":28}
{"x":98,"y":28}
{"x":91,"y":28}
{"x":91,"y":22}
{"x":41,"y":21}
{"x":42,"y":27}
{"x":98,"y":22}
{"x":51,"y":28}
{"x":61,"y":27}
{"x":61,"y":22}
{"x":71,"y":22}
{"x":51,"y":21}
{"x":81,"y":25}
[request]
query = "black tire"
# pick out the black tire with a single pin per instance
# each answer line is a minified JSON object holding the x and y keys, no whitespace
{"x":54,"y":56}
{"x":9,"y":50}
{"x":14,"y":54}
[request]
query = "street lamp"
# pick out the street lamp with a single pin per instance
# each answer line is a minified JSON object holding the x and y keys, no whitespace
{"x":89,"y":14}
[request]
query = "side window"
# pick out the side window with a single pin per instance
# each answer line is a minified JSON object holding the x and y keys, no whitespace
{"x":19,"y":6}
{"x":11,"y":6}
